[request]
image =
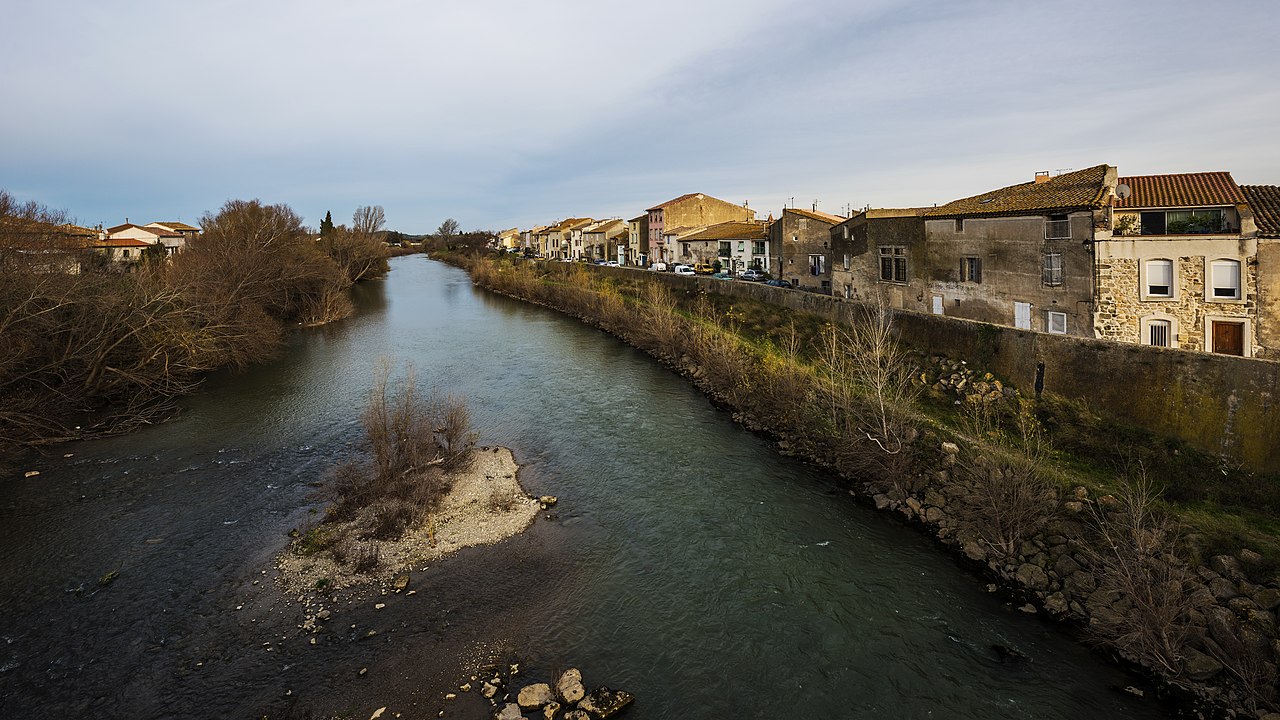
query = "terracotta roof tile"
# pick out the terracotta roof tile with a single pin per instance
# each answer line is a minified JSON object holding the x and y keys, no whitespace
{"x":1082,"y":189}
{"x":174,"y":225}
{"x":1181,"y":190}
{"x":815,"y":215}
{"x":1264,"y":200}
{"x":122,"y":243}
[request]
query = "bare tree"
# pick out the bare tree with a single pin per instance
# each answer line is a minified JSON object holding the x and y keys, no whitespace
{"x":1135,"y":555}
{"x":368,"y":220}
{"x":448,"y":229}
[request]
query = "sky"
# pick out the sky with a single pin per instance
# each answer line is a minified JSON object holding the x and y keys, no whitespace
{"x":511,"y":113}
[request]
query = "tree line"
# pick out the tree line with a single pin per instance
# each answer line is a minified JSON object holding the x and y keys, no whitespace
{"x":88,"y":350}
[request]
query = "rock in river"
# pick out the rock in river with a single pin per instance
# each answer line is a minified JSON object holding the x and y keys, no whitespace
{"x":535,"y":696}
{"x":605,"y":703}
{"x":569,"y":686}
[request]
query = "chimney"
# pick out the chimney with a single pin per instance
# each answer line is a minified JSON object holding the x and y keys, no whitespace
{"x":815,"y":206}
{"x":1042,"y":177}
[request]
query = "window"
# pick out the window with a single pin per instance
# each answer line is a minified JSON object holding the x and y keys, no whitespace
{"x":846,"y":232}
{"x":893,"y":263}
{"x":848,"y":290}
{"x":1051,"y":271}
{"x":804,"y":223}
{"x":726,"y":248}
{"x":971,"y":269}
{"x":959,"y":225}
{"x":1196,"y":221}
{"x":742,"y":244}
{"x":1057,"y":323}
{"x":684,"y":249}
{"x":1159,"y":281}
{"x":757,"y":247}
{"x":846,"y":261}
{"x":1158,"y":332}
{"x":817,"y":264}
{"x":1225,"y":275}
{"x":1057,"y":227}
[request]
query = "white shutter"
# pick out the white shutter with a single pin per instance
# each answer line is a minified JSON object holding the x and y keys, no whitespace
{"x":1022,"y":315}
{"x":1226,"y":278}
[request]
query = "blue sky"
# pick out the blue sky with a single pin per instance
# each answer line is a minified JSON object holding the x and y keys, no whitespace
{"x":514,"y":113}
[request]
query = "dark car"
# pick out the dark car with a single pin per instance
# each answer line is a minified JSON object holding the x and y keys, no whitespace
{"x":778,"y":283}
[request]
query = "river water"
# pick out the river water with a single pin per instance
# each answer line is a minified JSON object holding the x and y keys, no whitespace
{"x":687,"y":562}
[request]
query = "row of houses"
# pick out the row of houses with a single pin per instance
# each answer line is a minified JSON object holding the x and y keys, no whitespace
{"x":1188,"y":260}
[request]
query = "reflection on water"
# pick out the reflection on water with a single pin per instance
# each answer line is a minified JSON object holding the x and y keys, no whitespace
{"x":687,"y":561}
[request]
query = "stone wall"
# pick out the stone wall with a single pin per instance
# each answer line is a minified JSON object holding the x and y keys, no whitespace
{"x":1218,"y":403}
{"x":1121,"y":308}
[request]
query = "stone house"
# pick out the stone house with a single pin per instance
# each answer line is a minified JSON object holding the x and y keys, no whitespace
{"x":173,"y":241}
{"x":188,"y":232}
{"x":601,"y":240}
{"x":694,"y":210}
{"x":803,"y":238}
{"x":1178,"y":265}
{"x":1264,"y":201}
{"x":874,"y":253}
{"x":556,"y":241}
{"x":573,"y":240}
{"x":733,"y":244}
{"x":509,"y":239}
{"x":1021,"y":255}
{"x":530,"y":240}
{"x":638,"y":241}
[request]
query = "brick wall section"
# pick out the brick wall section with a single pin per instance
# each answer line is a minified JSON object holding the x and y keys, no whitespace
{"x":1218,"y":403}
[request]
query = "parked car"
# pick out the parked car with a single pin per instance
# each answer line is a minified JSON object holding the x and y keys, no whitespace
{"x":613,"y":263}
{"x":751,"y":275}
{"x":685,"y":270}
{"x":658,"y":267}
{"x":722,"y":276}
{"x":778,"y":283}
{"x":703,"y":268}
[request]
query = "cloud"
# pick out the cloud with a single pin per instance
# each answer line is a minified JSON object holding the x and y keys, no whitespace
{"x":509,"y":113}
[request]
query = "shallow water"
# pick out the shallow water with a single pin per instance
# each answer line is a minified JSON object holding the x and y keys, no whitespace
{"x":687,"y":562}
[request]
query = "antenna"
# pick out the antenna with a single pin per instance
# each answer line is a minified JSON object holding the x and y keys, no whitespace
{"x":1124,"y":192}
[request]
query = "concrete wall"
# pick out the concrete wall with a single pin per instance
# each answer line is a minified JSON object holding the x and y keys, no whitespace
{"x":1218,"y":403}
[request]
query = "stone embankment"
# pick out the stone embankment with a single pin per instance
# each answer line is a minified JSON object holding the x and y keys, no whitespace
{"x":1116,"y":567}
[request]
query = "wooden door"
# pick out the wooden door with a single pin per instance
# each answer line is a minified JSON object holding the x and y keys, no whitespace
{"x":1228,"y":338}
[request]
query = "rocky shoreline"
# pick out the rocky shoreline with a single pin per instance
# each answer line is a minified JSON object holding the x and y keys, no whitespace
{"x":1226,"y":665}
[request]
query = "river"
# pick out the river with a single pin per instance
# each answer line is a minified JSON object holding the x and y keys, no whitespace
{"x":687,"y":562}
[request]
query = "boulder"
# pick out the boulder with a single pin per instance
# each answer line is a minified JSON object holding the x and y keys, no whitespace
{"x":882,"y":501}
{"x":1197,"y":666}
{"x":604,"y":703}
{"x":1226,"y":566}
{"x":549,"y":712}
{"x":1032,"y":576}
{"x":950,"y":448}
{"x":569,"y":687}
{"x":1056,"y":604}
{"x":534,"y":696}
{"x":548,"y":501}
{"x":577,"y":715}
{"x":1222,"y":588}
{"x":1267,"y":598}
{"x":400,"y":583}
{"x":510,"y":711}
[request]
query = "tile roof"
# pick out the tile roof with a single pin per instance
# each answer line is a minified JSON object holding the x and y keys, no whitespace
{"x":603,"y":226}
{"x":732,"y":230}
{"x":875,"y":213}
{"x":179,"y":226}
{"x":638,"y":219}
{"x":1264,"y":200}
{"x":815,"y":215}
{"x":1181,"y":190}
{"x":122,"y":243}
{"x":1070,"y":191}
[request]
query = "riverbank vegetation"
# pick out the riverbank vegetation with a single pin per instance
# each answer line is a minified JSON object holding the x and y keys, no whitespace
{"x":1178,"y":576}
{"x":89,"y":347}
{"x":420,"y":489}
